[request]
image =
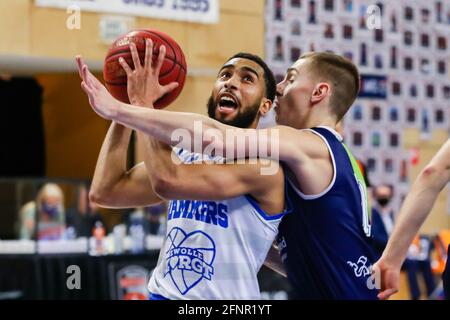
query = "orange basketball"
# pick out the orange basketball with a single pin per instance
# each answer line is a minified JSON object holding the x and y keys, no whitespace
{"x":173,"y":68}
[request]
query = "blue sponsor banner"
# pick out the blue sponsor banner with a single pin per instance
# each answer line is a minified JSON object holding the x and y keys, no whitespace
{"x":373,"y":86}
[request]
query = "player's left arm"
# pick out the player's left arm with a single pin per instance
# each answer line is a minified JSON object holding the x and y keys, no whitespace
{"x":415,"y":209}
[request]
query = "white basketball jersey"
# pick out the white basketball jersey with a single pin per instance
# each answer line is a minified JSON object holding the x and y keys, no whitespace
{"x":213,"y":249}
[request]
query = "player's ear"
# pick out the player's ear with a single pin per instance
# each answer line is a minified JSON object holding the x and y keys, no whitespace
{"x":321,"y":91}
{"x":265,"y":106}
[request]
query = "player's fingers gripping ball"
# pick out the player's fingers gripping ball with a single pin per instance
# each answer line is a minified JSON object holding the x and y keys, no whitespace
{"x":173,"y":69}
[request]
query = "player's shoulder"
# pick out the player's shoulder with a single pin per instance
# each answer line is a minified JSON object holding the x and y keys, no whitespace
{"x":298,"y":146}
{"x":300,"y":136}
{"x":313,"y":144}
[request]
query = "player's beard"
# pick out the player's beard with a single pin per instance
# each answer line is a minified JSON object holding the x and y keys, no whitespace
{"x":243,"y":119}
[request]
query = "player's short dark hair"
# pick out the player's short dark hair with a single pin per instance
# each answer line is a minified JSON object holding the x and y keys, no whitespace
{"x":269,"y":78}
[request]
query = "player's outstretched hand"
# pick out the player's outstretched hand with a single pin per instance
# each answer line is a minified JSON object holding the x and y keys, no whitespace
{"x":103,"y":103}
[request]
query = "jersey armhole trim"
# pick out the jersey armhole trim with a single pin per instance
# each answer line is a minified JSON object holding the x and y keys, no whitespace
{"x":266,"y":216}
{"x":316,"y":196}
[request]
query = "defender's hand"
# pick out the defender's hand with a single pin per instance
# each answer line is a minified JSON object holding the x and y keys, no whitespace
{"x":103,"y":103}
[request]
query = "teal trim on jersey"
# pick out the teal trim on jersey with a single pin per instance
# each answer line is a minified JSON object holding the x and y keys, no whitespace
{"x":359,"y":177}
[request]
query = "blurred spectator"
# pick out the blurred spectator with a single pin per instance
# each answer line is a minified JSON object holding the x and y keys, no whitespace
{"x":27,"y":220}
{"x":137,"y":230}
{"x":155,"y":217}
{"x":441,"y":243}
{"x":84,"y":217}
{"x":419,"y":253}
{"x":419,"y":261}
{"x":49,"y":204}
{"x":151,"y":218}
{"x":382,"y":218}
{"x":440,"y":264}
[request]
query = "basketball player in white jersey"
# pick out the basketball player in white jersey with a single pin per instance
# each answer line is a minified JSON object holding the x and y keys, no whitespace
{"x":217,"y":241}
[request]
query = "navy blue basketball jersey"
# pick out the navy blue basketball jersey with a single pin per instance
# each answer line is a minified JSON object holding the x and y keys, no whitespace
{"x":325,"y":242}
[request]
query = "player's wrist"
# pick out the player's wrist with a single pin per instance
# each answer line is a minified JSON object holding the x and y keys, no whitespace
{"x":391,"y":261}
{"x":138,"y":103}
{"x":148,"y":103}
